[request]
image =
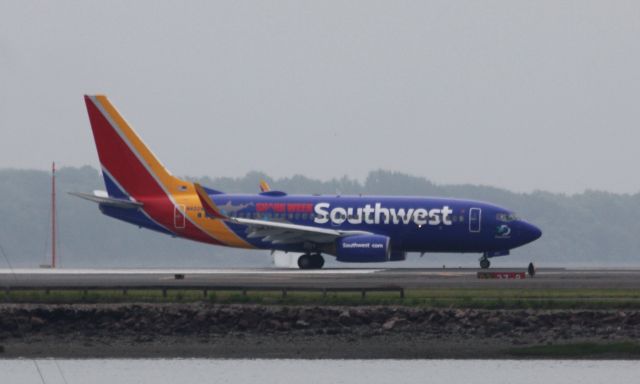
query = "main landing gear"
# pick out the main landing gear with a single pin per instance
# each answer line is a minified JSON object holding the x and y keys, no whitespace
{"x":311,"y":261}
{"x":484,"y":262}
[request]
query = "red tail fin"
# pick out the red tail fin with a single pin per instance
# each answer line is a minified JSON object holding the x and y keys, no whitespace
{"x":129,"y":167}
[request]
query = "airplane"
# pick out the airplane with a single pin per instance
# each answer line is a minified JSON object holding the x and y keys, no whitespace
{"x":353,"y":229}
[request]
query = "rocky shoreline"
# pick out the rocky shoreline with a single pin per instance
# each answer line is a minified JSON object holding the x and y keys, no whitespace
{"x":275,"y":331}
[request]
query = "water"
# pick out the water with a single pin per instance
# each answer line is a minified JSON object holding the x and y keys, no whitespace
{"x":159,"y":371}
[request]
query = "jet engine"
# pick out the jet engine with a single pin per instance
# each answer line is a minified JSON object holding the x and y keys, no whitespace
{"x":363,"y":249}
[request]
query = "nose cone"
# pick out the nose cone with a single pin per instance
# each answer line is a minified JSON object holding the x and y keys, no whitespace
{"x":529,"y":232}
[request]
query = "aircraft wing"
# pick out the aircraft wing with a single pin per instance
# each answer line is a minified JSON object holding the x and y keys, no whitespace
{"x":275,"y":232}
{"x":286,"y":233}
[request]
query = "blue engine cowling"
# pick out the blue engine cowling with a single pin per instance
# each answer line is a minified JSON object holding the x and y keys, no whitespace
{"x":363,"y":249}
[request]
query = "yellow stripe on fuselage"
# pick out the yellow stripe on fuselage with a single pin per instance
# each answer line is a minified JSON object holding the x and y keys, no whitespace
{"x":214,"y":227}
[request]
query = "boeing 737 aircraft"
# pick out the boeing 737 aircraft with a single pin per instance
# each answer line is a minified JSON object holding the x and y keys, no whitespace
{"x":354,"y":229}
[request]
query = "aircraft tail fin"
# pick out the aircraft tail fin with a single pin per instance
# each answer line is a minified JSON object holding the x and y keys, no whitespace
{"x":129,"y":167}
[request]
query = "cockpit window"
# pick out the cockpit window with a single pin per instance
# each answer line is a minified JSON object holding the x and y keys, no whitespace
{"x":506,"y":217}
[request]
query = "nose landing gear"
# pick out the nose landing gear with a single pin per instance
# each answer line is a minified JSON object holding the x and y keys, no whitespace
{"x":484,"y":262}
{"x":311,"y":261}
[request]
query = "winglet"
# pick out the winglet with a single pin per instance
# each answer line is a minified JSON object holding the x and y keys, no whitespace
{"x":264,"y":186}
{"x":209,"y":206}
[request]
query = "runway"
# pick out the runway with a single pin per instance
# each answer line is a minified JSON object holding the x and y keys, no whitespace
{"x":327,"y":278}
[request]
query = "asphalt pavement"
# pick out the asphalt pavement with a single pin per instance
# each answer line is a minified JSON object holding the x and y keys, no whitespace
{"x":327,"y":278}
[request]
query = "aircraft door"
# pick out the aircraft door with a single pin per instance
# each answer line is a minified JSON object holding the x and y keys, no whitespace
{"x":475,"y":220}
{"x":178,"y":217}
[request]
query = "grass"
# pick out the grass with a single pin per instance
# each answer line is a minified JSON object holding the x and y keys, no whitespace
{"x":576,"y":350}
{"x":436,"y":298}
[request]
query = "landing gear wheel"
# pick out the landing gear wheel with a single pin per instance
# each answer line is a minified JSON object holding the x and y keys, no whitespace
{"x":318,"y":261}
{"x":315,"y":261}
{"x":485,"y":263}
{"x":305,"y":262}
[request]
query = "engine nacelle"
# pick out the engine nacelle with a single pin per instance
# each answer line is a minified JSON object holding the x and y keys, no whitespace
{"x":363,"y":249}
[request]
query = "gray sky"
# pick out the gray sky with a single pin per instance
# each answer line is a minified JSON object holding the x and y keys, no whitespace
{"x":521,"y":95}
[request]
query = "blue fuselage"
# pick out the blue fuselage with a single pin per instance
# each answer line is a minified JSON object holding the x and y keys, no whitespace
{"x":414,"y":224}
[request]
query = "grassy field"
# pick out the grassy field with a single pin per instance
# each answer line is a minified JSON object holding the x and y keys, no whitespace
{"x":437,"y":298}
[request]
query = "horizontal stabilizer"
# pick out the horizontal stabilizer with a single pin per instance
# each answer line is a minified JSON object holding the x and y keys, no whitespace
{"x":100,"y":198}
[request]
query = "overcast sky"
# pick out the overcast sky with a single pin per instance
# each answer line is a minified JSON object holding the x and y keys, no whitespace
{"x":521,"y":95}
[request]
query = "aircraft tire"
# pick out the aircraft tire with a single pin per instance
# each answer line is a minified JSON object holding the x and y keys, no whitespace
{"x":485,"y":263}
{"x":305,"y":262}
{"x":318,"y":261}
